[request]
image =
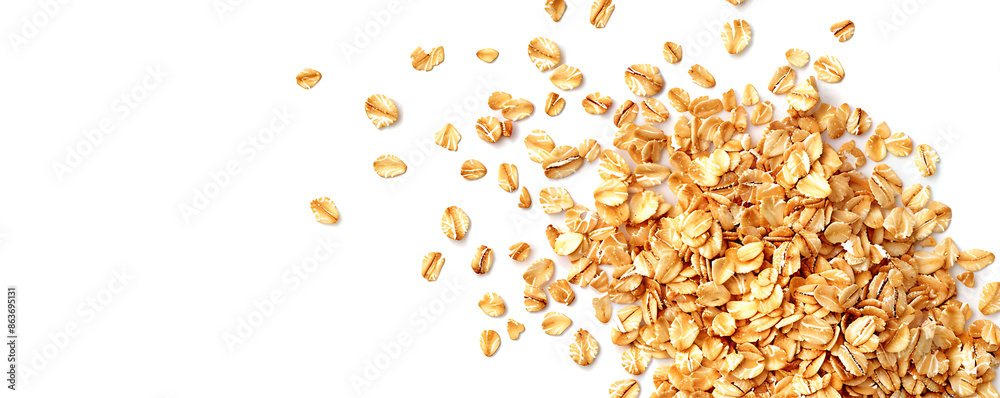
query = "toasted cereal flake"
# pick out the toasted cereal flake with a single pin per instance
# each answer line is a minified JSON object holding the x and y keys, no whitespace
{"x":539,"y":145}
{"x":829,"y":69}
{"x":498,"y":99}
{"x":750,"y":96}
{"x":389,"y":166}
{"x":492,"y":304}
{"x":566,"y":77}
{"x":975,"y":259}
{"x":534,"y":298}
{"x":554,"y":104}
{"x":517,"y":109}
{"x":797,"y":57}
{"x":454,"y":223}
{"x":555,"y":9}
{"x":520,"y":251}
{"x":507,"y":177}
{"x":539,"y":272}
{"x":628,"y":388}
{"x":643,"y":79}
{"x":381,"y":110}
{"x":596,"y":104}
{"x":583,"y":350}
{"x":843,"y":30}
{"x":544,"y":53}
{"x":514,"y":329}
{"x":561,"y":291}
{"x":701,"y":76}
{"x":430,"y":268}
{"x":672,"y":52}
{"x":782,"y":80}
{"x":473,"y":169}
{"x":967,"y":279}
{"x":562,"y":162}
{"x":324,"y":210}
{"x":679,"y":99}
{"x":524,"y":200}
{"x":989,"y":298}
{"x":736,"y":36}
{"x":926,"y":160}
{"x":489,"y":342}
{"x":487,"y":55}
{"x":448,"y":137}
{"x":899,"y":144}
{"x":555,"y":323}
{"x":653,"y":111}
{"x":423,"y":61}
{"x":491,"y":129}
{"x":483,"y":260}
{"x":554,"y":200}
{"x":308,"y":78}
{"x":600,"y":13}
{"x":635,"y":361}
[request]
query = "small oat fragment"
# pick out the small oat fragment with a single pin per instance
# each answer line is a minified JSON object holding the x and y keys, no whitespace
{"x":454,"y":223}
{"x":514,"y":329}
{"x":628,"y":388}
{"x":520,"y":251}
{"x":554,"y":104}
{"x":491,"y":129}
{"x":562,"y":162}
{"x":736,"y":36}
{"x":555,"y":9}
{"x":829,"y":69}
{"x":797,"y":57}
{"x":975,"y":259}
{"x":539,"y":272}
{"x":735,"y":2}
{"x":430,"y":268}
{"x":566,"y":77}
{"x":554,"y":200}
{"x":583,"y":350}
{"x":555,"y":323}
{"x":989,"y":298}
{"x":596,"y":104}
{"x":899,"y":144}
{"x":389,"y":166}
{"x":701,"y":76}
{"x":843,"y":30}
{"x":483,"y":260}
{"x":672,"y":52}
{"x":473,"y":169}
{"x":544,"y":53}
{"x":507,"y":177}
{"x":643,"y":79}
{"x":492,"y":304}
{"x":967,"y":279}
{"x":635,"y":360}
{"x":421,"y":60}
{"x":487,"y":55}
{"x":600,"y":13}
{"x":782,"y":80}
{"x":308,"y":78}
{"x":381,"y":110}
{"x":602,"y":308}
{"x":926,"y":160}
{"x":654,"y":111}
{"x":448,"y":137}
{"x":562,"y":292}
{"x":324,"y":210}
{"x":524,"y":200}
{"x":489,"y":342}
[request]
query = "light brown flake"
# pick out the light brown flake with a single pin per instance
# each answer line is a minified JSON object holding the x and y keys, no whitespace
{"x":448,"y":137}
{"x":583,"y":350}
{"x":829,"y":69}
{"x":534,"y":298}
{"x":899,"y":144}
{"x":679,"y":99}
{"x":483,"y":260}
{"x":524,"y":200}
{"x":797,"y":57}
{"x":654,"y":111}
{"x":555,"y":323}
{"x":544,"y":53}
{"x":562,"y":292}
{"x":736,"y":36}
{"x":782,"y":80}
{"x":596,"y":104}
{"x":539,"y":145}
{"x":803,"y":96}
{"x":492,"y":305}
{"x":520,"y":251}
{"x":628,"y":388}
{"x":389,"y":166}
{"x":487,"y":55}
{"x":491,"y":129}
{"x":514,"y":329}
{"x":566,"y":77}
{"x":975,"y":259}
{"x":473,"y":169}
{"x":381,"y":110}
{"x":507,"y":177}
{"x":589,"y":149}
{"x":562,"y":162}
{"x":324,"y":210}
{"x":989,"y":298}
{"x":762,"y":113}
{"x":750,"y":95}
{"x":308,"y":78}
{"x":555,"y":9}
{"x":875,"y":148}
{"x":554,"y":199}
{"x":554,"y":104}
{"x":701,"y":76}
{"x":672,"y":52}
{"x":489,"y":342}
{"x":430,"y":267}
{"x":843,"y":30}
{"x":643,"y":79}
{"x":421,"y":60}
{"x":600,"y":13}
{"x":926,"y":160}
{"x":967,"y":279}
{"x":539,"y":272}
{"x":455,"y":223}
{"x":635,"y":360}
{"x":517,"y":109}
{"x":602,"y":308}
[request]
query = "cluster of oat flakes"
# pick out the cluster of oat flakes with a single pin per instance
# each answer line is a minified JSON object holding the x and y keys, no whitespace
{"x":780,"y":270}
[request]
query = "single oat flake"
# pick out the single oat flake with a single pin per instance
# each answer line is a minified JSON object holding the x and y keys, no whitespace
{"x":507,"y":177}
{"x":423,"y":61}
{"x":736,"y":36}
{"x":829,"y":69}
{"x":701,"y":76}
{"x":524,"y":200}
{"x":555,"y":323}
{"x":596,"y":104}
{"x":489,"y":342}
{"x":430,"y":268}
{"x":492,"y":305}
{"x":544,"y":53}
{"x":989,"y":298}
{"x":584,"y":348}
{"x":308,"y":78}
{"x":797,"y":57}
{"x":926,"y":160}
{"x":520,"y":251}
{"x":554,"y":200}
{"x":566,"y":77}
{"x":324,"y":210}
{"x":514,"y":329}
{"x":473,"y":169}
{"x":554,"y":104}
{"x":600,"y":12}
{"x":389,"y":166}
{"x":555,"y":9}
{"x":843,"y":30}
{"x":487,"y":55}
{"x":629,"y":388}
{"x":454,"y":223}
{"x":643,"y":79}
{"x":381,"y":110}
{"x":483,"y":260}
{"x":672,"y":52}
{"x":448,"y":137}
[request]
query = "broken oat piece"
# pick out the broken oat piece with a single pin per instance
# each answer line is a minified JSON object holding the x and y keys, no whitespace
{"x":520,"y":251}
{"x":736,"y":36}
{"x":430,"y":268}
{"x":492,"y":305}
{"x":514,"y":329}
{"x":555,"y":9}
{"x":308,"y":78}
{"x":489,"y":342}
{"x":324,"y":210}
{"x":554,"y":104}
{"x":423,"y":61}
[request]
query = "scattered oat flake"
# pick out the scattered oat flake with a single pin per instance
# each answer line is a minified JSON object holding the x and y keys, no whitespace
{"x":389,"y":166}
{"x":628,"y":388}
{"x":926,"y":160}
{"x":635,"y":360}
{"x":782,"y":80}
{"x":797,"y":57}
{"x":566,"y":77}
{"x":430,"y":268}
{"x":596,"y":104}
{"x":967,"y":279}
{"x":539,"y":272}
{"x":989,"y":298}
{"x":829,"y":69}
{"x":555,"y":9}
{"x":473,"y":169}
{"x":517,"y":109}
{"x":701,"y":76}
{"x":654,"y":111}
{"x":507,"y":177}
{"x":423,"y":61}
{"x":381,"y":110}
{"x":514,"y":329}
{"x":554,"y":200}
{"x":843,"y":30}
{"x":672,"y":52}
{"x":975,"y":259}
{"x":562,"y":162}
{"x":544,"y":53}
{"x":324,"y":210}
{"x":736,"y":36}
{"x":489,"y":342}
{"x":899,"y":144}
{"x":750,"y":96}
{"x":554,"y":104}
{"x":487,"y":55}
{"x":491,"y":129}
{"x":584,"y":348}
{"x":520,"y":251}
{"x":454,"y":223}
{"x":600,"y":13}
{"x":524,"y":200}
{"x":308,"y":78}
{"x":483,"y":260}
{"x":448,"y":137}
{"x":555,"y":323}
{"x":492,"y":304}
{"x":643,"y":79}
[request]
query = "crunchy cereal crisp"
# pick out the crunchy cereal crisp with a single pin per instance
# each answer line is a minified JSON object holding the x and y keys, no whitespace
{"x":492,"y":304}
{"x":583,"y":350}
{"x":308,"y":78}
{"x":487,"y":55}
{"x":324,"y":210}
{"x":600,"y":12}
{"x":430,"y":268}
{"x":448,"y":137}
{"x":381,"y":110}
{"x":843,"y":30}
{"x":421,"y":60}
{"x":454,"y":223}
{"x":672,"y":52}
{"x":489,"y":342}
{"x":544,"y":53}
{"x":643,"y":79}
{"x":388,"y":166}
{"x":736,"y":36}
{"x":473,"y":169}
{"x":596,"y":104}
{"x":566,"y":77}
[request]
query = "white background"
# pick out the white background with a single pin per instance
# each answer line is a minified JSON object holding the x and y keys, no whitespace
{"x":925,"y":68}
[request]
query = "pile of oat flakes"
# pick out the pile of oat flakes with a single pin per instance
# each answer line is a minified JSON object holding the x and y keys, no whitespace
{"x":780,"y":270}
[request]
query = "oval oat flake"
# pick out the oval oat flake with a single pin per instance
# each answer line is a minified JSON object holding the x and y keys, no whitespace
{"x":736,"y":36}
{"x":454,"y":223}
{"x":325,"y":211}
{"x":389,"y":166}
{"x":381,"y":110}
{"x":583,"y":350}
